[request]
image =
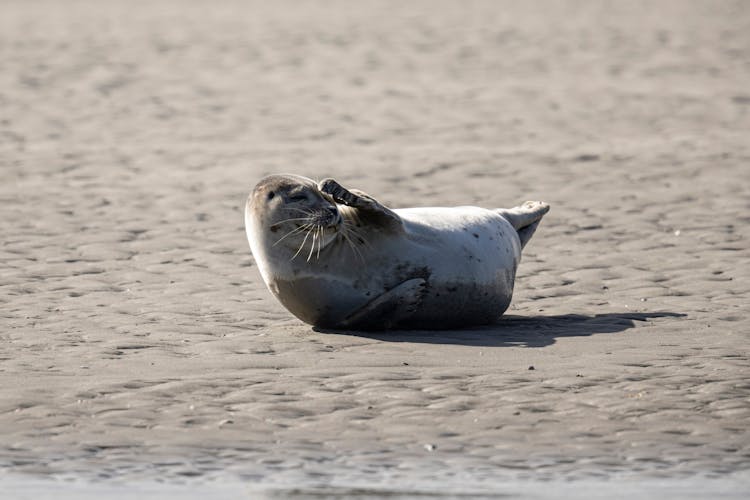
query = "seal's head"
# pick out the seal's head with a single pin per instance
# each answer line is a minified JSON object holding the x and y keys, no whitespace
{"x":290,"y":212}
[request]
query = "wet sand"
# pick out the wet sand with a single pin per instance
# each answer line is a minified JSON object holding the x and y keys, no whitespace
{"x":139,"y":342}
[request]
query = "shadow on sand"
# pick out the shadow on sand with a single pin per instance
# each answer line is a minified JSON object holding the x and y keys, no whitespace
{"x":519,"y":331}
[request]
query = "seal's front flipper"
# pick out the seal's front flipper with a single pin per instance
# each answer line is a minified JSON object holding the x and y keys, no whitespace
{"x":367,"y":207}
{"x":386,"y":311}
{"x":525,"y":218}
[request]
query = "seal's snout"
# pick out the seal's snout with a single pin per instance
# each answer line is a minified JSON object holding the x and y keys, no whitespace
{"x":332,"y":215}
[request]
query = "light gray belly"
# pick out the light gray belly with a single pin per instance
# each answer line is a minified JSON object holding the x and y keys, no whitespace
{"x":469,"y":283}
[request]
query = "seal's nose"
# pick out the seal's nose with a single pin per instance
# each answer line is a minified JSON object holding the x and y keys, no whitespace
{"x":333,"y":215}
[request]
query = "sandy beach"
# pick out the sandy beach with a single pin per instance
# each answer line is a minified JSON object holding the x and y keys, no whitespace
{"x":138,"y":341}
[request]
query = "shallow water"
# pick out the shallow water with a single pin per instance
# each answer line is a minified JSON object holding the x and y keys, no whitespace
{"x":18,"y":487}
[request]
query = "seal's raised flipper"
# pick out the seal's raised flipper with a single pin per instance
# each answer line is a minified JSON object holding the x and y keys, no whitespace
{"x":389,"y":309}
{"x":367,"y":207}
{"x":525,"y":218}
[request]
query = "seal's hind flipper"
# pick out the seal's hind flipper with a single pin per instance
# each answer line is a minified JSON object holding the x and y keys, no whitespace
{"x":389,"y":309}
{"x":525,"y":218}
{"x":525,"y":233}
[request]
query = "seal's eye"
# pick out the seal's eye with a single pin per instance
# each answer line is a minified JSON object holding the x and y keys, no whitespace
{"x":271,"y":195}
{"x":298,"y":197}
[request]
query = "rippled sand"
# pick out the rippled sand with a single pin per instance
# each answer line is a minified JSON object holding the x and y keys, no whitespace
{"x":139,"y":343}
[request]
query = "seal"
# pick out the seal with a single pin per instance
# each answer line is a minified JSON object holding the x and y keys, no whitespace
{"x":337,"y":258}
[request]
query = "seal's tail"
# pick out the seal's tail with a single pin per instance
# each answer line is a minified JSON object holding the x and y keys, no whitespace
{"x":525,"y":218}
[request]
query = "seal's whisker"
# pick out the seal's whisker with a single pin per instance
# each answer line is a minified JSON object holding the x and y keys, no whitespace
{"x":350,"y":243}
{"x":320,"y":242}
{"x":312,"y":245}
{"x":306,"y":212}
{"x":345,"y":234}
{"x":302,"y":245}
{"x":293,"y":219}
{"x":293,"y":231}
{"x":355,"y":249}
{"x":351,"y":228}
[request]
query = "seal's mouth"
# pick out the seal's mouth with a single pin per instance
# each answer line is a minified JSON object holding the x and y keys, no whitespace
{"x":328,"y":220}
{"x":331,"y":218}
{"x":336,"y":222}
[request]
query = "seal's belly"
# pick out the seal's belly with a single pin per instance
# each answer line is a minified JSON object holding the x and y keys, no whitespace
{"x":469,"y":276}
{"x":326,"y":302}
{"x":467,"y":284}
{"x":451,"y":305}
{"x":321,"y":301}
